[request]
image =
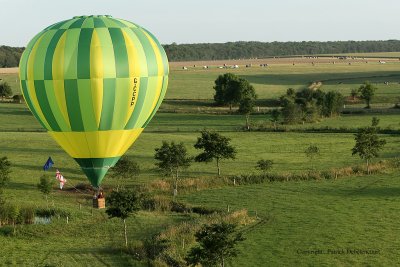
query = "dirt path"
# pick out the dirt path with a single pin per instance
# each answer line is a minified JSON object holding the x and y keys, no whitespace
{"x":8,"y":70}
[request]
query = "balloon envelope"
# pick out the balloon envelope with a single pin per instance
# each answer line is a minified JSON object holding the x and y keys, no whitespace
{"x":94,"y":82}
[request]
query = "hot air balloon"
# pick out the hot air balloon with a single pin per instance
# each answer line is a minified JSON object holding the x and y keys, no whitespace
{"x":94,"y":83}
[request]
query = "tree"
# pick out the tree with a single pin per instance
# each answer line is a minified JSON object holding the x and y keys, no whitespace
{"x":217,"y":242}
{"x":354,"y":94}
{"x":221,"y":88}
{"x":125,"y":168}
{"x":5,"y":171}
{"x":333,"y":103}
{"x":275,"y":115}
{"x":45,"y":185}
{"x":121,"y":204}
{"x":14,"y":212}
{"x":18,"y":98}
{"x":264,"y":165}
{"x":215,"y":146}
{"x":368,"y":144}
{"x":5,"y":90}
{"x":367,"y":91}
{"x":246,"y":107}
{"x":292,"y":113}
{"x":171,"y":159}
{"x":312,"y":152}
{"x":231,"y":89}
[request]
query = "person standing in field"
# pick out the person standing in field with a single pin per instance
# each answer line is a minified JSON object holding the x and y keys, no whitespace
{"x":60,"y":179}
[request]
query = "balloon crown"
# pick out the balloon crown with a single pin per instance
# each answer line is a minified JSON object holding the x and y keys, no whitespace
{"x":92,"y":16}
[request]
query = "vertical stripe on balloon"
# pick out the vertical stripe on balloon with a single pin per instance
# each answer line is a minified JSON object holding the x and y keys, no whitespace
{"x":107,"y":112}
{"x":88,"y":23}
{"x":96,"y":75}
{"x":28,"y":100}
{"x":55,"y":107}
{"x":73,"y":106}
{"x":120,"y":53}
{"x":58,"y":66}
{"x":98,"y":23}
{"x":40,"y":91}
{"x":40,"y":55}
{"x":71,"y":54}
{"x":86,"y":105}
{"x":48,"y":60}
{"x":120,"y":104}
{"x":107,"y":53}
{"x":77,"y":24}
{"x":30,"y":83}
{"x":160,"y":98}
{"x":160,"y":72}
{"x":84,"y":53}
{"x":67,"y":24}
{"x":161,"y":51}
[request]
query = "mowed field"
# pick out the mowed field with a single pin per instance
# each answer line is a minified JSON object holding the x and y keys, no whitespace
{"x":270,"y":82}
{"x":355,"y":213}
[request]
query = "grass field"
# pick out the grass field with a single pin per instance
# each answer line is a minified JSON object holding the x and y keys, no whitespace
{"x":296,"y":218}
{"x":353,"y":213}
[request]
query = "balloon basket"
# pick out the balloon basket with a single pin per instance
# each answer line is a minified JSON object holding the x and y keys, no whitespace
{"x":99,"y":203}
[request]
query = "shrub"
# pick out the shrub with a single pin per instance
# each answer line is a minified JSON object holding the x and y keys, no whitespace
{"x":7,"y":230}
{"x":205,"y":210}
{"x":180,"y":207}
{"x":26,"y":216}
{"x":51,"y":212}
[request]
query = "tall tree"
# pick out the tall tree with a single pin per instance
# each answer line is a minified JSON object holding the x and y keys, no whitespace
{"x":246,"y":107}
{"x":275,"y":115}
{"x":217,"y":242}
{"x":45,"y":185}
{"x":214,"y":146}
{"x":124,"y":169}
{"x":221,"y":88}
{"x":367,"y":92}
{"x":5,"y":171}
{"x":122,"y":204}
{"x":333,"y":104}
{"x":368,"y":143}
{"x":292,"y":113}
{"x":171,"y":159}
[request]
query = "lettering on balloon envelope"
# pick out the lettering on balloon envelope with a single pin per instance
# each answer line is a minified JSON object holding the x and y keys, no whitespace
{"x":134,"y":91}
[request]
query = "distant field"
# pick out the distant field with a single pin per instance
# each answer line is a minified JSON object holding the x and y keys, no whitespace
{"x":377,"y":54}
{"x":273,"y":81}
{"x":270,"y":82}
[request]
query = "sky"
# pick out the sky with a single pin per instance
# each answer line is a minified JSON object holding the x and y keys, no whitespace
{"x":215,"y":21}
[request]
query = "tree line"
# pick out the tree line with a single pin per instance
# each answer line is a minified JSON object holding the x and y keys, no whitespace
{"x":240,"y":50}
{"x":10,"y":56}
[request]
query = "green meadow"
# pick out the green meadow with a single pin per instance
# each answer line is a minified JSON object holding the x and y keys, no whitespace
{"x":303,"y":223}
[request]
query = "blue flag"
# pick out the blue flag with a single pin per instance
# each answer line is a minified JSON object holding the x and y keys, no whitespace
{"x":48,"y":164}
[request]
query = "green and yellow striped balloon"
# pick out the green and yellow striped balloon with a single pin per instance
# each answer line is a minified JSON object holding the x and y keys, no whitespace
{"x":94,"y":82}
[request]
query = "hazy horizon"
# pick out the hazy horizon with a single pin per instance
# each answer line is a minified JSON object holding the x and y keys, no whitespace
{"x":217,"y":21}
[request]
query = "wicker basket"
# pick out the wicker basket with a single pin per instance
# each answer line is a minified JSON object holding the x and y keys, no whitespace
{"x":99,"y":203}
